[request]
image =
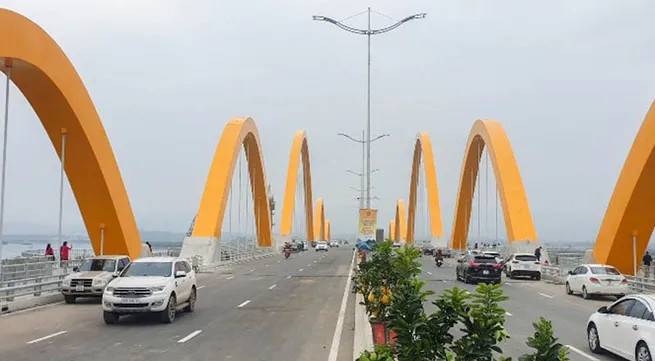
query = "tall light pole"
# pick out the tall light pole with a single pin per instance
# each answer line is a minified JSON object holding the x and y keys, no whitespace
{"x":369,"y":32}
{"x":364,"y":172}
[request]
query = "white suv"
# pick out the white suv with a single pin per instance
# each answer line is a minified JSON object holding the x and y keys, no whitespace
{"x":523,"y":264}
{"x":160,"y":285}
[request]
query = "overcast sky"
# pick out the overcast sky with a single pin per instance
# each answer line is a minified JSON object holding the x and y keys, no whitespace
{"x":569,"y":80}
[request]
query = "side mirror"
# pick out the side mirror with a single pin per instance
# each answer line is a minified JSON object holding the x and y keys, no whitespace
{"x":603,"y":309}
{"x":75,"y":269}
{"x":571,"y":273}
{"x":115,"y":274}
{"x":180,"y":274}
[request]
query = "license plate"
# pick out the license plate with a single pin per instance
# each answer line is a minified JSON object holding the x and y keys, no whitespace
{"x":130,"y":300}
{"x":79,"y":288}
{"x":485,"y":272}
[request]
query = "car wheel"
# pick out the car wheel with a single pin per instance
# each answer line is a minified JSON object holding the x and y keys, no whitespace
{"x":512,"y":275}
{"x":192,"y":301}
{"x":593,"y":340}
{"x":568,"y":289}
{"x":168,"y":315}
{"x":585,"y":295}
{"x":467,"y":279}
{"x":643,"y":353}
{"x":110,"y":317}
{"x":538,"y":277}
{"x":69,"y":299}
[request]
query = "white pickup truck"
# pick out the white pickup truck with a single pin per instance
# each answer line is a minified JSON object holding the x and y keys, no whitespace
{"x":160,"y":285}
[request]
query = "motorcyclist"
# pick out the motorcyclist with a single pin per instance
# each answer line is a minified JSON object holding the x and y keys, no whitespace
{"x":439,"y":256}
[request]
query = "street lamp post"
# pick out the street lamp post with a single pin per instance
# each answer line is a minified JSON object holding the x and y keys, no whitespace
{"x":364,"y":143}
{"x":369,"y":32}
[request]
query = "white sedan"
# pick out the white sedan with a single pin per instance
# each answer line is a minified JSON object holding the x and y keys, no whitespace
{"x":625,"y":328}
{"x":596,"y":279}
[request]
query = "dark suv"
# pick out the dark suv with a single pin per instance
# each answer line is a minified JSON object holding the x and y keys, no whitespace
{"x":478,"y":268}
{"x":429,"y":251}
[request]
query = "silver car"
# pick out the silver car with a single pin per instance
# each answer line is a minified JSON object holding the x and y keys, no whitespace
{"x":92,"y":276}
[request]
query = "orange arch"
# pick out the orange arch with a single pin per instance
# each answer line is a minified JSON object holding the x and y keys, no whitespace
{"x":423,"y":146}
{"x":239,"y":132}
{"x":514,"y":202}
{"x":392,"y":230}
{"x":319,"y":221}
{"x":299,"y":151}
{"x":48,"y":80}
{"x":401,"y":221}
{"x":630,"y":209}
{"x":328,"y":234}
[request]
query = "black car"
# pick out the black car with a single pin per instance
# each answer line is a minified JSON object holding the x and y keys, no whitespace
{"x":474,"y":268}
{"x":429,"y":251}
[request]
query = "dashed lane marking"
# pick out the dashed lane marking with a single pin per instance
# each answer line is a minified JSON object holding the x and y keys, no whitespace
{"x":46,"y":337}
{"x":289,"y":276}
{"x":300,"y":270}
{"x":272,"y":287}
{"x":243,"y":304}
{"x":190,"y":336}
{"x":582,"y":353}
{"x":430,"y":273}
{"x":508,"y":314}
{"x":231,"y":277}
{"x":545,"y":295}
{"x":201,"y":287}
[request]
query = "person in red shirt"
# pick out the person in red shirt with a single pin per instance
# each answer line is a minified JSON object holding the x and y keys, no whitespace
{"x":64,"y":251}
{"x":49,"y":252}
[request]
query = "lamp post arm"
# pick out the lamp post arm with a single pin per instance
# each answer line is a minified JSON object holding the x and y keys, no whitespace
{"x":396,"y":25}
{"x":341,"y":25}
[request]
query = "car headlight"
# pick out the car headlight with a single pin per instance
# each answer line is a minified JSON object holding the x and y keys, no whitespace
{"x":99,"y":281}
{"x":109,"y":290}
{"x":157,"y":289}
{"x":66,"y":282}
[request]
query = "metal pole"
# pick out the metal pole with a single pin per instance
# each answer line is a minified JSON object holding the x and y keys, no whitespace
{"x":361,"y":179}
{"x":477,"y":179}
{"x":368,"y":118}
{"x":4,"y":158}
{"x":64,"y":132}
{"x":634,"y":254}
{"x":486,"y":193}
{"x":102,"y":239}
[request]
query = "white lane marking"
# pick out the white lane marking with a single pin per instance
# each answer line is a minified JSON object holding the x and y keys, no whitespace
{"x":582,"y":353}
{"x":300,"y":270}
{"x":272,"y":287}
{"x":315,"y":261}
{"x":251,"y":270}
{"x":430,"y":273}
{"x":289,"y":276}
{"x":507,"y":283}
{"x":46,"y":337}
{"x":508,"y":314}
{"x":444,"y":281}
{"x":336,"y":339}
{"x":10,"y":313}
{"x":309,"y":265}
{"x":231,"y":277}
{"x":266,"y":265}
{"x":190,"y":336}
{"x":545,"y":295}
{"x":201,"y":287}
{"x":244,"y":303}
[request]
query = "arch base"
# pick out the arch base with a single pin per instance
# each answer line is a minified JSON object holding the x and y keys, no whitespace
{"x":206,"y":247}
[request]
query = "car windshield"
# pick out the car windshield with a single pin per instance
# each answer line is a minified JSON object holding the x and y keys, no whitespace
{"x":605,"y":270}
{"x":484,"y":259}
{"x":97,"y":265}
{"x":148,"y":269}
{"x":526,"y":258}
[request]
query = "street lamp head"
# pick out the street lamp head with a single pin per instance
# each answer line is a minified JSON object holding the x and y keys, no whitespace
{"x":318,"y":18}
{"x":420,"y":16}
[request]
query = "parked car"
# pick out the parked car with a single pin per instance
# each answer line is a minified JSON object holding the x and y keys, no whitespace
{"x":161,"y":285}
{"x":305,"y":246}
{"x":475,"y":268}
{"x":495,"y":254}
{"x":91,"y":277}
{"x":521,"y":265}
{"x":321,"y":246}
{"x":596,"y":279}
{"x":429,"y":251}
{"x":334,"y":244}
{"x":447,"y":252}
{"x":625,"y":328}
{"x":396,"y":245}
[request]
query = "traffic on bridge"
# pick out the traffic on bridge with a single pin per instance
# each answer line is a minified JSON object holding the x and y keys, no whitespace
{"x":186,"y":232}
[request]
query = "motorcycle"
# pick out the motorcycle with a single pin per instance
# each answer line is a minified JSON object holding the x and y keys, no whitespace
{"x":439,"y":262}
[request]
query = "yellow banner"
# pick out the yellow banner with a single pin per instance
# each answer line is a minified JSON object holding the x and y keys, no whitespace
{"x":368,"y":223}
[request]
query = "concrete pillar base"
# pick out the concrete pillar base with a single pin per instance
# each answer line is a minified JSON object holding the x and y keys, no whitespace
{"x":206,"y":247}
{"x":589,"y":257}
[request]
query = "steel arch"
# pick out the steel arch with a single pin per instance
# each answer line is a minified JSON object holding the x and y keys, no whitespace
{"x":48,"y":80}
{"x":630,"y":209}
{"x":518,"y":220}
{"x":328,"y":234}
{"x":423,"y":146}
{"x":238,"y":133}
{"x":392,"y":230}
{"x":299,"y":152}
{"x":319,"y":221}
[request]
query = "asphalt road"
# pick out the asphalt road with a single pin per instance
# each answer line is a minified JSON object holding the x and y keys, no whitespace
{"x":528,"y":300}
{"x":271,"y":309}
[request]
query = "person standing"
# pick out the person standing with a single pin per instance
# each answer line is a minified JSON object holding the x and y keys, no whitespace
{"x":64,"y":252}
{"x":647,"y":260}
{"x":537,"y":253}
{"x":49,"y":252}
